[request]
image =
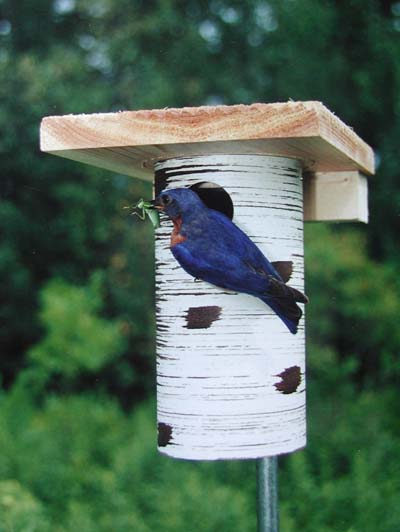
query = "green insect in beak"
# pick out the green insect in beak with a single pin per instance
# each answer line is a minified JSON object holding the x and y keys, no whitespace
{"x":143,"y":208}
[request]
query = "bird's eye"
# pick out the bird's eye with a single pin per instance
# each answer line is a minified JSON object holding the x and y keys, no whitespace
{"x":165,"y":199}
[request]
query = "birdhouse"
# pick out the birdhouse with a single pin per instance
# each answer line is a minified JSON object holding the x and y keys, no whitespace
{"x":231,"y":377}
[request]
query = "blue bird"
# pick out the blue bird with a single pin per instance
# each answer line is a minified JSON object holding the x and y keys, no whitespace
{"x":210,"y":247}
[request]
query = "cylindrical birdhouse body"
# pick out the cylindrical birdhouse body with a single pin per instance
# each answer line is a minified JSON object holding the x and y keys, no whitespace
{"x":230,"y":374}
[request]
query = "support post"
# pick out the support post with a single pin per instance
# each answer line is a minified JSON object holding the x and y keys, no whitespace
{"x":267,"y":494}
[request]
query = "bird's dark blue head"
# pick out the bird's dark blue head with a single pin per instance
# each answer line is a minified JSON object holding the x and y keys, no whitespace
{"x":179,"y":202}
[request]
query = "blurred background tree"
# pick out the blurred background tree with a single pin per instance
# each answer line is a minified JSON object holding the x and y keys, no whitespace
{"x":76,"y":316}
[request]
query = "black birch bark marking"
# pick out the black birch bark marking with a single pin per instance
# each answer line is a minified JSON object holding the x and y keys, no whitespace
{"x":164,"y":434}
{"x":290,"y":380}
{"x":202,"y":317}
{"x":284,"y":268}
{"x":160,"y":181}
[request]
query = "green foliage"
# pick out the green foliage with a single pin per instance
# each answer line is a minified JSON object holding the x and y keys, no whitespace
{"x":93,"y":467}
{"x":77,"y":339}
{"x":19,"y":510}
{"x":78,"y":461}
{"x":355,"y":303}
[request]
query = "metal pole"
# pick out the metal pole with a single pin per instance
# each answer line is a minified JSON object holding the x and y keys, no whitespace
{"x":267,"y":494}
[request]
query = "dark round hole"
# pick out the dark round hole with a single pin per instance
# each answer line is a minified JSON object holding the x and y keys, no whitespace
{"x":215,"y":197}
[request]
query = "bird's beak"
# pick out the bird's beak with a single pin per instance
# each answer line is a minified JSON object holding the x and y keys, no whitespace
{"x":156,"y":204}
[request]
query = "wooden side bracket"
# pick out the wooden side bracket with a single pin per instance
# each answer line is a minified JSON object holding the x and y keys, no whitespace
{"x":336,"y":197}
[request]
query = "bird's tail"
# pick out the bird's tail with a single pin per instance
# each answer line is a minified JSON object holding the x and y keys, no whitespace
{"x":284,"y":304}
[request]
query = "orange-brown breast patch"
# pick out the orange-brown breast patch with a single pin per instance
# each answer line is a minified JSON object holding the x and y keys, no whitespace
{"x":176,"y":237}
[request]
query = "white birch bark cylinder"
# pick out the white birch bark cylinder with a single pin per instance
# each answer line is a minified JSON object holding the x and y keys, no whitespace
{"x":230,"y":375}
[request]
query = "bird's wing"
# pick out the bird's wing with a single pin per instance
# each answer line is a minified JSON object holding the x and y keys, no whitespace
{"x":223,"y":254}
{"x":255,"y":259}
{"x":233,"y":237}
{"x":219,"y":267}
